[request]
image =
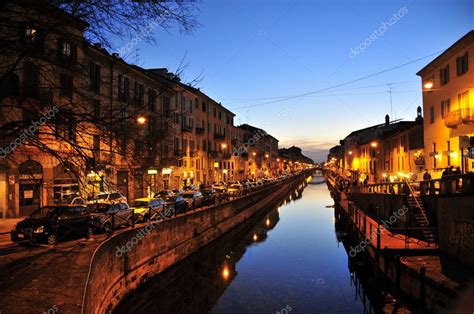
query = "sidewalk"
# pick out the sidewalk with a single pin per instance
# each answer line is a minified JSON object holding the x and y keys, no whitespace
{"x":7,"y":224}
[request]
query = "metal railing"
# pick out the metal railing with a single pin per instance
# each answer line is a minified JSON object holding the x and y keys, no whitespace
{"x":447,"y":185}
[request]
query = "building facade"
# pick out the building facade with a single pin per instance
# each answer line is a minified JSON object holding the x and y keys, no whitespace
{"x":99,"y":124}
{"x":448,"y":105}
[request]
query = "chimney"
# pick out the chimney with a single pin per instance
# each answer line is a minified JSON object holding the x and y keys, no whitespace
{"x":387,"y":119}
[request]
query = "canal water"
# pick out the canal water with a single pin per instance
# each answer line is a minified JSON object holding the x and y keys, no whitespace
{"x":287,"y":260}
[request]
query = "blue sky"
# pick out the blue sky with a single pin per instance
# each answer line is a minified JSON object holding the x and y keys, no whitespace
{"x":251,"y":52}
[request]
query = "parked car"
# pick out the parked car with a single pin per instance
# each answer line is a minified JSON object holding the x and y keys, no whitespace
{"x":194,"y":199}
{"x":219,"y":186}
{"x":176,"y":204}
{"x":110,"y":198}
{"x":209,"y":197}
{"x":148,"y":208}
{"x":163,"y":193}
{"x":178,"y":191}
{"x":51,"y":224}
{"x":107,"y":217}
{"x":191,"y":188}
{"x":235,"y":189}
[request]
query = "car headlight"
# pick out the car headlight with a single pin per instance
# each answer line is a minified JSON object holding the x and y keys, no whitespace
{"x":40,"y":229}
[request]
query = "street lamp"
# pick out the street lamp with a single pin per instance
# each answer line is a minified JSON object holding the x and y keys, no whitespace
{"x":224,"y":145}
{"x":428,"y":84}
{"x":141,"y":120}
{"x":373,"y":144}
{"x":254,"y":153}
{"x":350,"y":152}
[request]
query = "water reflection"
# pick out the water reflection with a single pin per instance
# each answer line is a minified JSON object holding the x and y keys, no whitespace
{"x":195,"y":284}
{"x":258,"y":268}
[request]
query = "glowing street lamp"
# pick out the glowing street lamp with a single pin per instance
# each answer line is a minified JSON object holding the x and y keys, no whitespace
{"x":141,"y":120}
{"x":254,"y":153}
{"x":428,"y":85}
{"x":373,"y":144}
{"x":350,"y":152}
{"x":224,"y":145}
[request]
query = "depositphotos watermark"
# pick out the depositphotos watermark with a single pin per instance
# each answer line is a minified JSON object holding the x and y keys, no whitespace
{"x":143,"y":232}
{"x":29,"y":132}
{"x":385,"y":224}
{"x":287,"y":309}
{"x":54,"y":309}
{"x":145,"y":32}
{"x":379,"y":32}
{"x":257,"y":136}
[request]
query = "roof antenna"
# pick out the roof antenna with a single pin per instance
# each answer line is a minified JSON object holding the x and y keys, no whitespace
{"x":391,"y":105}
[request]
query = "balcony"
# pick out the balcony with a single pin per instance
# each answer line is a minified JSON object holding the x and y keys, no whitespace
{"x":213,"y":154}
{"x":218,"y":136}
{"x":459,"y":116}
{"x":226,"y":156}
{"x":199,"y":131}
{"x":187,"y":128}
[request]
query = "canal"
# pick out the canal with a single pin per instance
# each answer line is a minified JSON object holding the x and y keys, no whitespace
{"x":286,"y":260}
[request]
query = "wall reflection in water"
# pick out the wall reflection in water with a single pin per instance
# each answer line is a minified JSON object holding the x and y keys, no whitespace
{"x":195,"y":284}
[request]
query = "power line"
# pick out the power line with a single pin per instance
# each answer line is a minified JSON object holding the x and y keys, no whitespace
{"x":244,"y":100}
{"x":339,"y":85}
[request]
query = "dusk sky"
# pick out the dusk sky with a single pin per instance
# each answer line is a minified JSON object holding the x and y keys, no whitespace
{"x":254,"y":54}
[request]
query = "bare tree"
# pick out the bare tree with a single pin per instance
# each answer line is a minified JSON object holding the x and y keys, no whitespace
{"x":46,"y":65}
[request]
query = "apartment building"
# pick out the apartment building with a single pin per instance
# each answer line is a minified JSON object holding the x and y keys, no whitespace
{"x":448,"y":106}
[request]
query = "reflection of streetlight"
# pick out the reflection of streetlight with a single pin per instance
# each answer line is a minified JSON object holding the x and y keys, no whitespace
{"x":141,"y":120}
{"x":254,"y":153}
{"x":278,"y":159}
{"x":266,"y":156}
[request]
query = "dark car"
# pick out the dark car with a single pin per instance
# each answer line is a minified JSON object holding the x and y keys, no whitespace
{"x":176,"y":203}
{"x":209,"y":197}
{"x":107,"y":217}
{"x":194,"y":199}
{"x":51,"y":224}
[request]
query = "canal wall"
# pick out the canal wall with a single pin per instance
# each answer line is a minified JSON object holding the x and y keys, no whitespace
{"x":149,"y":250}
{"x":456,"y":228}
{"x":408,"y":275}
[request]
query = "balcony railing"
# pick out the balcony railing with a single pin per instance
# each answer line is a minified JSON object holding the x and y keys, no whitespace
{"x":218,"y":136}
{"x":199,"y":131}
{"x":459,"y":116}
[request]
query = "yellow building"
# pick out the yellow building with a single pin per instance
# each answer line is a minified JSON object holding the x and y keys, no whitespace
{"x":448,"y":105}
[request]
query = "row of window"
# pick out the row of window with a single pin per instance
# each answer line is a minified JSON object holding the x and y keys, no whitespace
{"x":462,"y":66}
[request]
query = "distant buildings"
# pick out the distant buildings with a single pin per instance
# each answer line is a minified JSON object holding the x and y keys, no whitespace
{"x":441,"y":139}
